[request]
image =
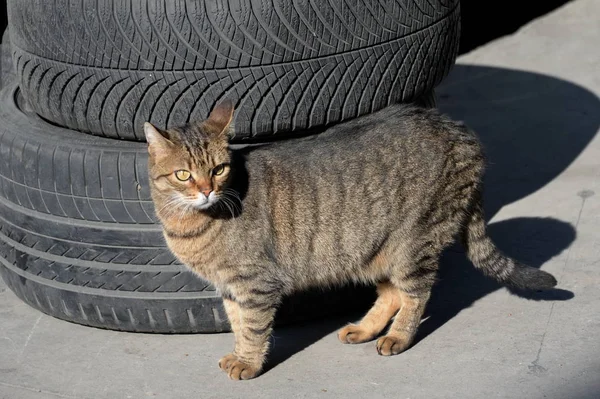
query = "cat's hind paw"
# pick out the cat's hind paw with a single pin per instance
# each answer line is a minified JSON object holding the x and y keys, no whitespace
{"x":392,"y":345}
{"x":355,"y":334}
{"x":226,"y":361}
{"x":239,"y":370}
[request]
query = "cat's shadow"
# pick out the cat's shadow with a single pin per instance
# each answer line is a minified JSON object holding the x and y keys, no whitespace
{"x":532,"y":127}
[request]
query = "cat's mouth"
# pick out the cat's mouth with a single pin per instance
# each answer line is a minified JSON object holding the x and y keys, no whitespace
{"x":202,"y":201}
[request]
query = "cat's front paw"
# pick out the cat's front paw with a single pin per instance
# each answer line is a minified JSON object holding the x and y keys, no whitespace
{"x":355,"y":334}
{"x":239,"y":370}
{"x":226,"y":361}
{"x":392,"y":345}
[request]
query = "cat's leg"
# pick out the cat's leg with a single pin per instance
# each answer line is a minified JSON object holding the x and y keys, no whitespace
{"x":252,"y":341}
{"x":403,"y":329}
{"x":386,"y":306}
{"x":414,"y":289}
{"x":251,"y":317}
{"x":233,"y":314}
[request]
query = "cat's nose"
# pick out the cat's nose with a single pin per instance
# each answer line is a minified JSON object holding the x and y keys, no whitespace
{"x":206,"y":191}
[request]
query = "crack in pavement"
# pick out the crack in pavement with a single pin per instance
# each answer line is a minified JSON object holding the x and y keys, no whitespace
{"x":535,"y":367}
{"x":29,"y":338}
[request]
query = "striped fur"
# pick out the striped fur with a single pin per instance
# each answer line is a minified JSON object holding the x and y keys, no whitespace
{"x":374,"y":200}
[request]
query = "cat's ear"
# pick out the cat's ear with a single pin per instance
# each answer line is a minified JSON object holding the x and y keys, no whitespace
{"x":219,"y":121}
{"x":158,"y":145}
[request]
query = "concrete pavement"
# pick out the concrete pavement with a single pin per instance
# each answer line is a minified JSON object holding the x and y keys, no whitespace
{"x":533,"y":98}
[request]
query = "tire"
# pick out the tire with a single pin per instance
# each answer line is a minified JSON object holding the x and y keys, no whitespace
{"x":77,"y":234}
{"x":288,"y":65}
{"x":79,"y":241}
{"x":7,"y":73}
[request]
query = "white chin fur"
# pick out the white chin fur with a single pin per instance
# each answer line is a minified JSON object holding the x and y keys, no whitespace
{"x":202,"y":202}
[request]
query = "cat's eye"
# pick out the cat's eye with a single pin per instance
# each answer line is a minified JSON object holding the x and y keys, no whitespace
{"x":218,"y":170}
{"x":183,"y":175}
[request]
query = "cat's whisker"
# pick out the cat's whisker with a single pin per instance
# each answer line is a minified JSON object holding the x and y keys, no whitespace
{"x":234,"y":208}
{"x":233,"y":193}
{"x":173,"y":209}
{"x":230,"y":209}
{"x":235,"y":201}
{"x":178,"y":207}
{"x":181,"y":213}
{"x":225,"y":201}
{"x":168,"y":203}
{"x":186,"y":209}
{"x":174,"y":204}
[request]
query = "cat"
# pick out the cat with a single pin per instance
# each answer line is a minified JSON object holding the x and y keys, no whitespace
{"x":372,"y":200}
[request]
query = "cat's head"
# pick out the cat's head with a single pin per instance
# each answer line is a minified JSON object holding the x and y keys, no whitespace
{"x":190,"y":166}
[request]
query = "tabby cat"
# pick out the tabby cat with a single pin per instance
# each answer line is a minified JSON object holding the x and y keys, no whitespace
{"x":374,"y":200}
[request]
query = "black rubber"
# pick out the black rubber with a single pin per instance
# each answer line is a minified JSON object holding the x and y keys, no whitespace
{"x":61,"y":172}
{"x":106,"y":66}
{"x":7,"y":73}
{"x":77,"y":237}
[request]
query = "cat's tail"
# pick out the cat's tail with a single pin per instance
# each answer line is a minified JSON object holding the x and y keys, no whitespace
{"x":487,"y":258}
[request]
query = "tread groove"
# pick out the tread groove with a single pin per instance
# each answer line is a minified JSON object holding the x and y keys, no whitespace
{"x":127,"y":50}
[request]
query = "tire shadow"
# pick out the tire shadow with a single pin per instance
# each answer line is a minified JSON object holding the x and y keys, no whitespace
{"x":533,"y":127}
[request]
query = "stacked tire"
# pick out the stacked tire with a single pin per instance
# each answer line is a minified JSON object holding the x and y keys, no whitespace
{"x":78,"y":235}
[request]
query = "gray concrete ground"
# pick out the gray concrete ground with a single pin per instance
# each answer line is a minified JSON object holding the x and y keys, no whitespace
{"x":533,"y":99}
